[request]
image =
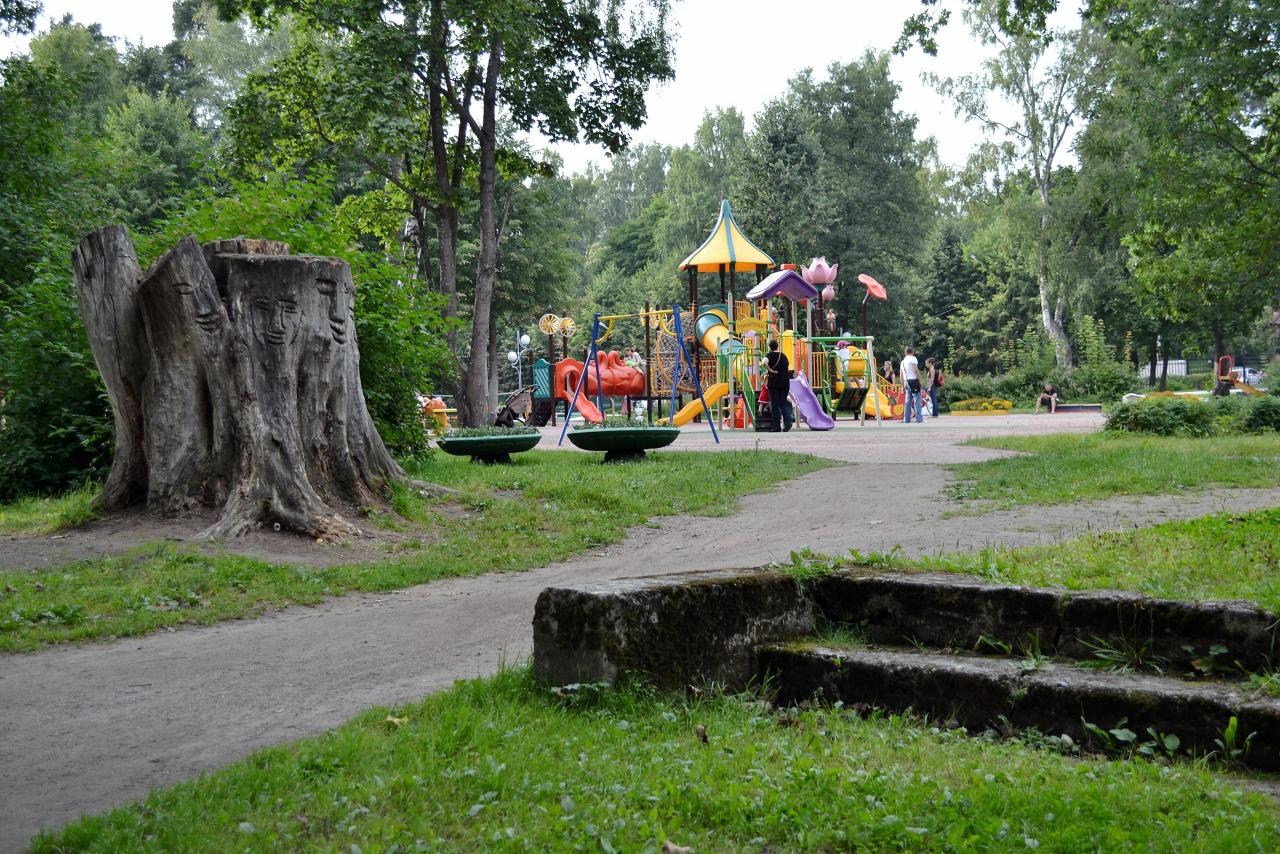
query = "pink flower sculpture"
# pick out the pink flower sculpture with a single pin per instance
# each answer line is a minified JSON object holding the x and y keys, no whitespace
{"x":828,"y":293}
{"x":819,"y":272}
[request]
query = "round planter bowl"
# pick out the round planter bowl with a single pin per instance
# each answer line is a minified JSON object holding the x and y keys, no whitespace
{"x":489,"y":449}
{"x":623,"y":443}
{"x":980,"y":412}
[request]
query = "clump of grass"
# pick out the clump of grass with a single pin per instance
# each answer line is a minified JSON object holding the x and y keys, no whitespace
{"x":1223,"y":556}
{"x":49,"y":515}
{"x":1062,"y":468}
{"x":505,"y":765}
{"x":546,"y":507}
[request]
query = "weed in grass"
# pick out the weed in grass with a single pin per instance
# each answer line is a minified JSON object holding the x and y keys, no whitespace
{"x":1233,"y":746}
{"x":1265,"y":684}
{"x":1123,"y":656}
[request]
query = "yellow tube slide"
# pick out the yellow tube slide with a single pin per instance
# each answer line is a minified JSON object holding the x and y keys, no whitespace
{"x":693,"y":409}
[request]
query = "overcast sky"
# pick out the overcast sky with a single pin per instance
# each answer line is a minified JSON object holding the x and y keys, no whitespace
{"x":737,"y":53}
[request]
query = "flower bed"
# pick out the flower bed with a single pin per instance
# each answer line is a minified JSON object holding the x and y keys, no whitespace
{"x":489,"y":444}
{"x":981,"y":406}
{"x":627,"y":441}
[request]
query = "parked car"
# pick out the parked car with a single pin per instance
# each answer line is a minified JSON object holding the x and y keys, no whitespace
{"x":1249,"y":376}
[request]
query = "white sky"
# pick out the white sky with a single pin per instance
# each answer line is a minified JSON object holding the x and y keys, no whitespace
{"x":736,"y":53}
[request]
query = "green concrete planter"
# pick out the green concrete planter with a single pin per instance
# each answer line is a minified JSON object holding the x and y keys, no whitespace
{"x":623,"y":443}
{"x":489,"y":449}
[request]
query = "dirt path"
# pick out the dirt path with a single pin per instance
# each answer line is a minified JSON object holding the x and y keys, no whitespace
{"x":84,"y":729}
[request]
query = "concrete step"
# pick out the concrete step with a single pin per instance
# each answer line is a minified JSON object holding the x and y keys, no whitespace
{"x":947,"y":610}
{"x":981,"y":692}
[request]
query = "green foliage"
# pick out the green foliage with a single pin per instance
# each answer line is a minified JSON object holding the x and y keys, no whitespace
{"x":1162,"y":416}
{"x":1189,"y":416}
{"x":56,"y":428}
{"x":160,"y":154}
{"x":398,"y":321}
{"x":566,"y":504}
{"x":619,"y":422}
{"x":476,"y":432}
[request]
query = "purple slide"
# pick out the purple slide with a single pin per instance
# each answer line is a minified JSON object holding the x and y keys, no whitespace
{"x":808,"y":404}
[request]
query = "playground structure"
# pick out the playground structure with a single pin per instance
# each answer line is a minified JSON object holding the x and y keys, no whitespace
{"x":1226,"y":380}
{"x":712,"y":352}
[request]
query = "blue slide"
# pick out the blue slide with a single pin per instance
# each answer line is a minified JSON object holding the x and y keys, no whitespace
{"x":809,"y":406}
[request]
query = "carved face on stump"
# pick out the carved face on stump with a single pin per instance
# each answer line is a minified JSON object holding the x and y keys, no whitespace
{"x":337,"y":298}
{"x":204,"y":305}
{"x":274,"y":317}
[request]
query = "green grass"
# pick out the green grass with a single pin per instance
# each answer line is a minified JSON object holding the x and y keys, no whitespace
{"x":1062,"y":468}
{"x":1225,"y":556}
{"x":48,"y":515}
{"x":545,"y":507}
{"x":502,"y":765}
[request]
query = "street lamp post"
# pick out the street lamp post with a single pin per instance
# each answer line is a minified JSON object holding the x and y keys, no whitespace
{"x":516,"y":357}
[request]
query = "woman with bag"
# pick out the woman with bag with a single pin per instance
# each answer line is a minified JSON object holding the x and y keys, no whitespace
{"x":934,"y":380}
{"x":778,"y":381}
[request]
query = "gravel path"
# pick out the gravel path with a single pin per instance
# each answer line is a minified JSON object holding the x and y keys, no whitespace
{"x":86,"y":728}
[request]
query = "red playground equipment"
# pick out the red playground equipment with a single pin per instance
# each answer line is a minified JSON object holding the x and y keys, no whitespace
{"x":617,"y":379}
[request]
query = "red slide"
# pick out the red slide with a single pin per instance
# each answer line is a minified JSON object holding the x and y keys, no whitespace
{"x":618,"y":381}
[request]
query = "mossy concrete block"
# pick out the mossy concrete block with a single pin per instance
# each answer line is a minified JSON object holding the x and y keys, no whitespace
{"x":675,"y":630}
{"x":937,"y":608}
{"x":1179,"y":633}
{"x":980,"y":692}
{"x":950,"y":610}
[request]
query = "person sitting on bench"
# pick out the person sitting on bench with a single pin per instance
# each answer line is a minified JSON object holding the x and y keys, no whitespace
{"x":1048,"y":397}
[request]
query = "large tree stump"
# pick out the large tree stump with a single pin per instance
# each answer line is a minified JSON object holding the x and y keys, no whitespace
{"x":234,"y":374}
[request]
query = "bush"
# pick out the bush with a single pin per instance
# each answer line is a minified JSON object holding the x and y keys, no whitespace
{"x":962,"y":387}
{"x":1174,"y":415}
{"x":1261,"y":414}
{"x":55,"y":422}
{"x":1163,"y":416}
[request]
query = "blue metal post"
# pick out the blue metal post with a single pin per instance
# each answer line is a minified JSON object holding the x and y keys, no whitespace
{"x":693,"y":370}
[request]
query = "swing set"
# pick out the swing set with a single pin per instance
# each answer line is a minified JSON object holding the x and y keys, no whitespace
{"x":602,"y":326}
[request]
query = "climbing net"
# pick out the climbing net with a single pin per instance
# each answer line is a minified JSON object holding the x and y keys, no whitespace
{"x":664,"y":356}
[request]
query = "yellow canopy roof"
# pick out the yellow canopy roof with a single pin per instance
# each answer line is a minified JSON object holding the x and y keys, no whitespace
{"x":726,"y":245}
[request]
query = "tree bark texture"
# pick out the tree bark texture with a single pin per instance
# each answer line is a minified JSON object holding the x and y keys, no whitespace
{"x":234,"y":373}
{"x":474,"y":405}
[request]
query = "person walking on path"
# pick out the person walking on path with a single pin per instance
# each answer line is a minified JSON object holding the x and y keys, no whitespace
{"x":778,"y":382}
{"x":910,"y":370}
{"x":933,"y":380}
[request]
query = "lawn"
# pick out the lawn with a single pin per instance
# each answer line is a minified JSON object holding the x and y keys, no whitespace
{"x":1225,"y":556}
{"x":545,"y":507}
{"x":1061,"y":468}
{"x":503,"y":765}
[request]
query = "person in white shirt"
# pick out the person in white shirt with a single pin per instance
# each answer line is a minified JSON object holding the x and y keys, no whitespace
{"x":910,"y":371}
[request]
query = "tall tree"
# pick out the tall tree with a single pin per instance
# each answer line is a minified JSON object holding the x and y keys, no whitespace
{"x":408,"y":69}
{"x":1191,"y":123}
{"x":1050,"y":78}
